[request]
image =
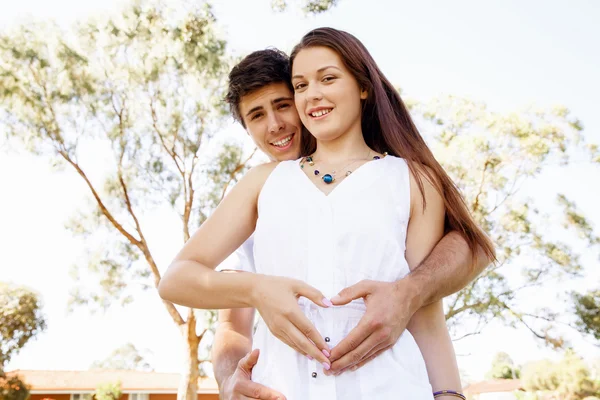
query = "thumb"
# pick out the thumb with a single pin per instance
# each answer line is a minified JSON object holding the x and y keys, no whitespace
{"x":314,"y":295}
{"x":356,"y":291}
{"x":249,"y":361}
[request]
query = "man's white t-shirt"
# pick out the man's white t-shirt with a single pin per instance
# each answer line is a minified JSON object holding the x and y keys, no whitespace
{"x":245,"y":255}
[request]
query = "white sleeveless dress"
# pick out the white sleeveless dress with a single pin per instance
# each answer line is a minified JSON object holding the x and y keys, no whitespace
{"x":333,"y":241}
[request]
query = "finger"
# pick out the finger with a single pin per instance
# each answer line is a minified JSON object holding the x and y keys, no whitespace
{"x":368,"y":356}
{"x":304,"y":325}
{"x":249,"y":361}
{"x":355,"y":356}
{"x":374,"y":354}
{"x":255,"y":390}
{"x":290,"y":335}
{"x":356,"y":336}
{"x":309,"y":348}
{"x":356,"y":291}
{"x":316,"y":296}
{"x":285,"y":338}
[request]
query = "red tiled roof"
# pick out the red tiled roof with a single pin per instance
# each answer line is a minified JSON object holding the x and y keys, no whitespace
{"x":89,"y":380}
{"x":494,"y":386}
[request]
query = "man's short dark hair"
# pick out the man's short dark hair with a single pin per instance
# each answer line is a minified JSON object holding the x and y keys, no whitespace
{"x":255,"y":71}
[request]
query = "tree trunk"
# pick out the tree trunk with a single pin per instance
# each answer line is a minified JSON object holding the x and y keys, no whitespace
{"x":188,"y":387}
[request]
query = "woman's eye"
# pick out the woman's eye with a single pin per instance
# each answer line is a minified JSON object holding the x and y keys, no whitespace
{"x":299,"y":86}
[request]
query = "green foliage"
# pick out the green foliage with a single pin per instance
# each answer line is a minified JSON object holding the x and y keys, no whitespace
{"x":587,"y":312}
{"x":142,"y":92}
{"x":492,"y":157}
{"x":13,"y":388}
{"x":503,"y":367}
{"x":569,"y":378}
{"x":319,"y":6}
{"x":308,"y":6}
{"x":108,"y":391}
{"x":126,"y":357}
{"x":21,"y":319}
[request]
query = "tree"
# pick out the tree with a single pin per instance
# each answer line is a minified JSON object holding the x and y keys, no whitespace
{"x":109,"y":391}
{"x":13,"y":388}
{"x":308,"y":6}
{"x":21,"y":319}
{"x":587,"y":312}
{"x":569,"y":378}
{"x":492,"y":156}
{"x":125,"y":357}
{"x":143,"y":90}
{"x":503,"y":367}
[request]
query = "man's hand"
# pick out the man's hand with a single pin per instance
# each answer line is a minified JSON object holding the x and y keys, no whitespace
{"x":240,"y":386}
{"x":390,"y":305}
{"x":276,"y":299}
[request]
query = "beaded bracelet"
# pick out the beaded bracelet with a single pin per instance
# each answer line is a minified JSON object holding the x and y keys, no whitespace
{"x":449,"y":393}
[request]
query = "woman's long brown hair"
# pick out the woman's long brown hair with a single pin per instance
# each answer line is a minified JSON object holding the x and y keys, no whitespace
{"x":387,"y":126}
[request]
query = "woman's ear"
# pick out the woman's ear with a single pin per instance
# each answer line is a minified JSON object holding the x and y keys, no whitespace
{"x":364,"y":93}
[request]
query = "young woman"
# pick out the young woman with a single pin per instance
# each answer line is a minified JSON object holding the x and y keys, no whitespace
{"x":368,"y":201}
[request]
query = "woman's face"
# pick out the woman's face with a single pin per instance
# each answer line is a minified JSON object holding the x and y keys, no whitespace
{"x":328,"y":97}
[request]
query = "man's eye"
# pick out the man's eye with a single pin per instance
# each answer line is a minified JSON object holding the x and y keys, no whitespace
{"x":255,"y":116}
{"x":283,"y":106}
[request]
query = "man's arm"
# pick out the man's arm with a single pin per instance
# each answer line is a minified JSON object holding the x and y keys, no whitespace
{"x":448,"y":269}
{"x":233,"y":340}
{"x":233,"y":360}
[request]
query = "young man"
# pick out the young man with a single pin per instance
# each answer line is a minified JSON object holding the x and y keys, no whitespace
{"x":262,"y":100}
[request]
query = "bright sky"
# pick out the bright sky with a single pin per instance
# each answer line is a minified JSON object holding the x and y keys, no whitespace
{"x":508,"y":54}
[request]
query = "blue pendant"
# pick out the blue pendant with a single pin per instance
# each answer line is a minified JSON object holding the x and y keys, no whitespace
{"x":327,"y":178}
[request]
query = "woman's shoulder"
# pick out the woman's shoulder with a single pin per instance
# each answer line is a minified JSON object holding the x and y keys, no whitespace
{"x":262,"y":171}
{"x":255,"y":178}
{"x":411,"y":167}
{"x":259,"y":174}
{"x":414,"y":172}
{"x":267,"y":168}
{"x":398,"y":164}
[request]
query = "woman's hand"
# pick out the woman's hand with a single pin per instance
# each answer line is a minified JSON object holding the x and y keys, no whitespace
{"x":276,"y":299}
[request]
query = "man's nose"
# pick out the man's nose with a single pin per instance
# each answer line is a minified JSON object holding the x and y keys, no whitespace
{"x":275,"y":123}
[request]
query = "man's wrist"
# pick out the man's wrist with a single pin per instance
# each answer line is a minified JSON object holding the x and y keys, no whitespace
{"x":412,"y":290}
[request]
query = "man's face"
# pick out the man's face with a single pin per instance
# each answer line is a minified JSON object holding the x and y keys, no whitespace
{"x":272,"y":121}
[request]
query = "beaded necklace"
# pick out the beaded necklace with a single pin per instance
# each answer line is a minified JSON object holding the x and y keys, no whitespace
{"x":330,"y":177}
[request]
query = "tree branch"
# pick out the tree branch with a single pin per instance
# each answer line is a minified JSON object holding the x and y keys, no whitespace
{"x":476,"y":202}
{"x":189,"y":202}
{"x":237,"y":169}
{"x":160,"y":135}
{"x":477,"y":332}
{"x":101,"y":205}
{"x":142,"y":245}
